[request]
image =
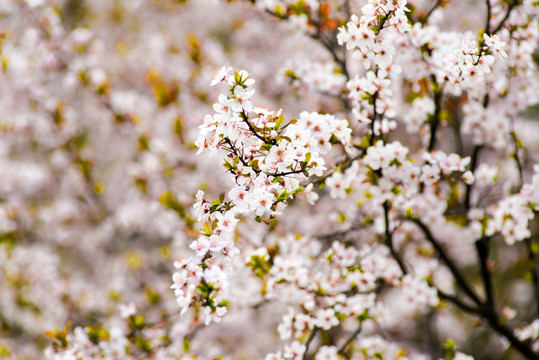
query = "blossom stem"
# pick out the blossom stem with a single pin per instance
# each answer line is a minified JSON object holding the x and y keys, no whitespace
{"x":253,"y":130}
{"x":235,"y":151}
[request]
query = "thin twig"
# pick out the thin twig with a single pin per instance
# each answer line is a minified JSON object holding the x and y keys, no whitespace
{"x":473,"y":165}
{"x":351,"y":338}
{"x":509,"y":10}
{"x":533,"y":256}
{"x":516,"y":156}
{"x":459,"y":303}
{"x":487,"y":25}
{"x":424,"y":20}
{"x":309,"y":341}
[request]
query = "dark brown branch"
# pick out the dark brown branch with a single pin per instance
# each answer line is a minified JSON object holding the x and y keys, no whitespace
{"x":437,"y":90}
{"x":459,"y":303}
{"x":481,"y":247}
{"x":253,"y":130}
{"x":522,"y":347}
{"x":235,"y":151}
{"x":389,"y":240}
{"x":484,"y":310}
{"x":459,"y":278}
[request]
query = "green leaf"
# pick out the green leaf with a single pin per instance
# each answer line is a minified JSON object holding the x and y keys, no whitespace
{"x":408,"y":213}
{"x":278,"y":122}
{"x":143,"y":344}
{"x":450,"y":349}
{"x":266,"y":147}
{"x":283,"y":196}
{"x":308,"y":157}
{"x":364,"y":315}
{"x":186,"y":344}
{"x":207,"y":229}
{"x":228,"y":165}
{"x":259,"y":265}
{"x":178,"y":129}
{"x":169,"y":201}
{"x":97,"y":334}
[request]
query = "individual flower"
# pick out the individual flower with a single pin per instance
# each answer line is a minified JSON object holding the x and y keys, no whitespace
{"x":494,"y":42}
{"x":294,"y":351}
{"x":338,"y":184}
{"x":226,"y":221}
{"x":224,"y":74}
{"x":326,"y":319}
{"x":327,"y":353}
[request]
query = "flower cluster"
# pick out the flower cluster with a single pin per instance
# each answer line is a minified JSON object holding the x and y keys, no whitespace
{"x":530,"y":332}
{"x":268,"y":160}
{"x":510,"y":217}
{"x":322,"y":77}
{"x":411,"y":136}
{"x":91,"y":343}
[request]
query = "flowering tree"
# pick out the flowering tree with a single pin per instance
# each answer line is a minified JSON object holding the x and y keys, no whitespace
{"x":374,"y":200}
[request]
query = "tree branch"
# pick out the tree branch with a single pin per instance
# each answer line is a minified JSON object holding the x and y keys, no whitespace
{"x":389,"y":240}
{"x":481,"y":246}
{"x":461,"y":281}
{"x":437,"y":91}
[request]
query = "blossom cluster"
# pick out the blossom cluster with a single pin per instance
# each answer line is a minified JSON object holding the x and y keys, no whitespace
{"x":380,"y":205}
{"x":268,"y":160}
